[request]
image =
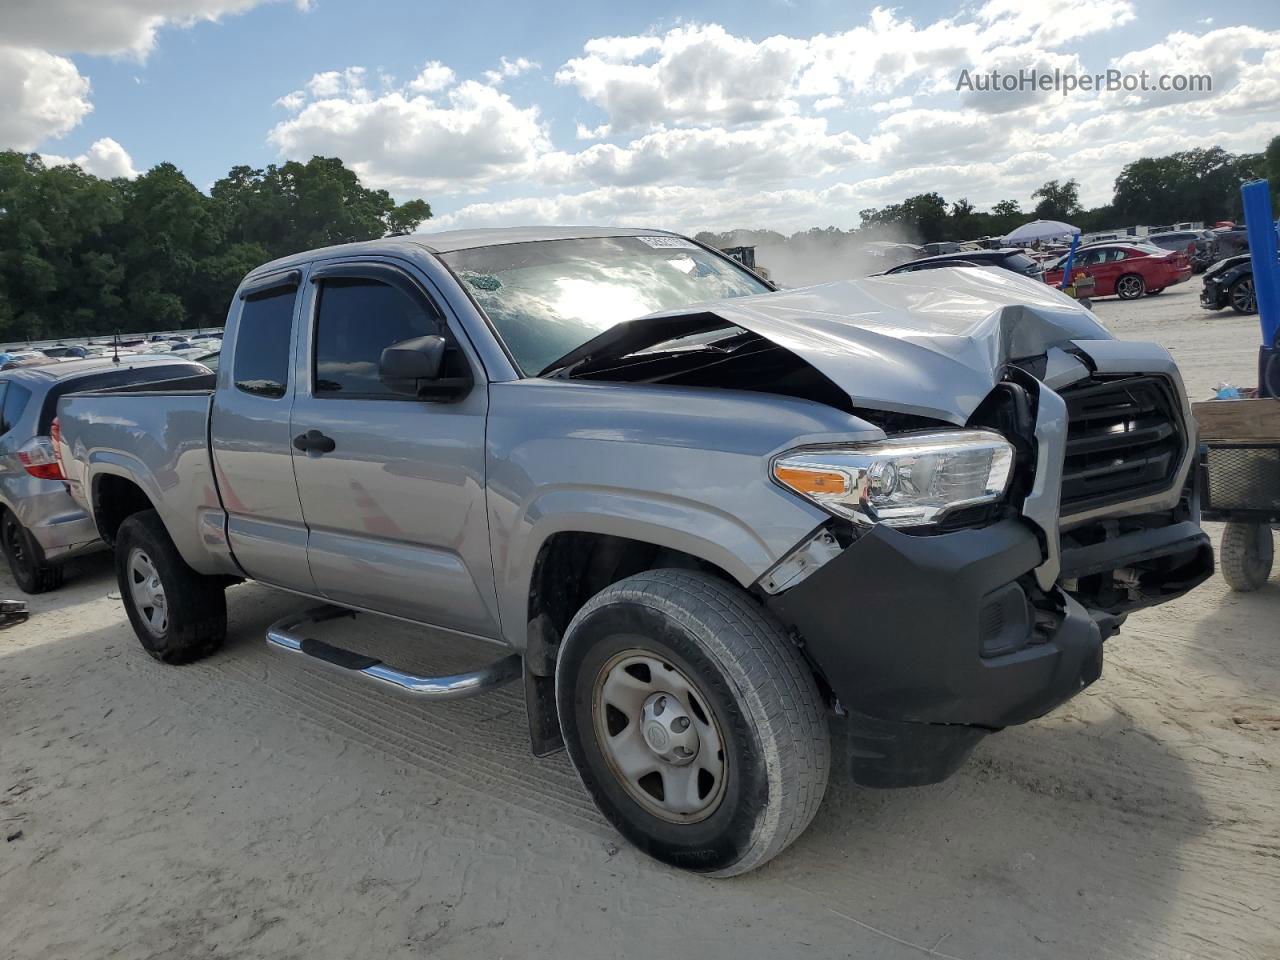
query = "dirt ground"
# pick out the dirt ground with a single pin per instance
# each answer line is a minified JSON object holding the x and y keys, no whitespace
{"x":251,"y":806}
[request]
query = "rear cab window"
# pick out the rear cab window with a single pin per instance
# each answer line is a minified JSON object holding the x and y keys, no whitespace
{"x":262,"y":356}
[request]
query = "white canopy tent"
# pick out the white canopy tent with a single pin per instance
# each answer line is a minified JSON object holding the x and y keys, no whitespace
{"x":1042,"y":230}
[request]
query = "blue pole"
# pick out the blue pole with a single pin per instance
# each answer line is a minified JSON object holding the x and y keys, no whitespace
{"x":1071,"y":257}
{"x":1262,"y":249}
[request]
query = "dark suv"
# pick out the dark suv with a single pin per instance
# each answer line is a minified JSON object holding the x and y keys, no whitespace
{"x":1007,"y":258}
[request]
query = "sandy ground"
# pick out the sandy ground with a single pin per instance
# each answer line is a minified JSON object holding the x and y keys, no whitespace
{"x":250,"y":806}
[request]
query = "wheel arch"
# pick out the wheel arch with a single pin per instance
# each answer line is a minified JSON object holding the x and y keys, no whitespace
{"x":571,"y":566}
{"x":116,"y":496}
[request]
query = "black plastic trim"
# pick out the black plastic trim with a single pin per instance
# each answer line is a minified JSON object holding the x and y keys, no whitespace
{"x":337,"y":655}
{"x":272,"y":282}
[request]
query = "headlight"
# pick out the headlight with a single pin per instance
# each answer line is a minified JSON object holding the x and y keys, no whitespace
{"x":903,"y":481}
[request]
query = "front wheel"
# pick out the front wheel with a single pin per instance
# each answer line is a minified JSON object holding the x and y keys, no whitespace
{"x":1242,"y":296}
{"x":178,"y":615}
{"x":1130,"y":287}
{"x":693,"y":721}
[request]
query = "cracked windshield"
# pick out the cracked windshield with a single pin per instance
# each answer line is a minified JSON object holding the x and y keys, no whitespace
{"x":550,"y":297}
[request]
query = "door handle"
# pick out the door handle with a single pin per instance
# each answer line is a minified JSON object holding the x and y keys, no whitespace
{"x":313,"y":441}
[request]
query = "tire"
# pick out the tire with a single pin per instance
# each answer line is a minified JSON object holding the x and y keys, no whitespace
{"x":737,"y":682}
{"x":189,"y":621}
{"x":1248,"y":552}
{"x":1131,"y":286}
{"x":1242,"y":297}
{"x":31,"y":572}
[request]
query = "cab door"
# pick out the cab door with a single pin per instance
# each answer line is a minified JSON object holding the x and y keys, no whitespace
{"x":392,"y":486}
{"x":250,"y":435}
{"x":1106,"y":270}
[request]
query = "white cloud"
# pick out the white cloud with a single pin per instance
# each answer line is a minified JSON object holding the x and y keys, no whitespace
{"x":408,"y":142}
{"x":105,"y":158}
{"x":1052,"y":25}
{"x":1222,"y":54}
{"x":293,"y":102}
{"x":107,"y":26}
{"x":44,"y":96}
{"x":339,"y":83}
{"x":510,"y":68}
{"x":703,"y":75}
{"x":695,"y":127}
{"x":773,"y":150}
{"x":435,"y":76}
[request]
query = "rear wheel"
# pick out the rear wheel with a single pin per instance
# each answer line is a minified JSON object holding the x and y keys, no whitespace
{"x":178,"y":615}
{"x":1248,"y":552}
{"x":31,"y":572}
{"x":1130,"y":287}
{"x":1242,"y":296}
{"x":692,"y":720}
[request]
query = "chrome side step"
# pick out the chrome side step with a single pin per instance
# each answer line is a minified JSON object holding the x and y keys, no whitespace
{"x":285,"y":635}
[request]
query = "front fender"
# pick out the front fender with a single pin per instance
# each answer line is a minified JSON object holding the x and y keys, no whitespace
{"x":682,"y":468}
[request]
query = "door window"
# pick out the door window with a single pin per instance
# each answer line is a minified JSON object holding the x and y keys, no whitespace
{"x":355,"y":321}
{"x":261,"y":362}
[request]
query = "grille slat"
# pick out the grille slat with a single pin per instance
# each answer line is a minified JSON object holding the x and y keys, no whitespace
{"x":1123,"y":441}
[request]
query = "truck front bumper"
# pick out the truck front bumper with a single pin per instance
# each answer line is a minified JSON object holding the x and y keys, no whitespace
{"x":932,"y":642}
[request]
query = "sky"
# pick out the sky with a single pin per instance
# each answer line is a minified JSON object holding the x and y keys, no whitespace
{"x":782,"y":114}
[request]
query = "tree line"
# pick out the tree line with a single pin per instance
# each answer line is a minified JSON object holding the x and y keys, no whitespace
{"x":83,"y":256}
{"x":1191,"y":185}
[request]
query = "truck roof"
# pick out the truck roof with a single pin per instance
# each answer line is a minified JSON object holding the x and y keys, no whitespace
{"x":448,"y":241}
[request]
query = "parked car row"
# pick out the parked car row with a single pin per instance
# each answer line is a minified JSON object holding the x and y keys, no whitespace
{"x":1124,"y":270}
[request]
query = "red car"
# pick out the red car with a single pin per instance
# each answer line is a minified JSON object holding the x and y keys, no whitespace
{"x":1125,"y":270}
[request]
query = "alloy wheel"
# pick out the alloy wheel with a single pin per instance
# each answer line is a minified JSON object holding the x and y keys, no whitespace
{"x":1242,"y":296}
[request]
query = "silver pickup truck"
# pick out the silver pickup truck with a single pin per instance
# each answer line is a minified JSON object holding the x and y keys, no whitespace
{"x":698,"y":515}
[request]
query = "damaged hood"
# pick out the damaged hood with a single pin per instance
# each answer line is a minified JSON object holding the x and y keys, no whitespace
{"x":931,"y":343}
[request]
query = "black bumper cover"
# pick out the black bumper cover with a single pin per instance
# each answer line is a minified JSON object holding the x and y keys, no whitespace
{"x":897,"y":623}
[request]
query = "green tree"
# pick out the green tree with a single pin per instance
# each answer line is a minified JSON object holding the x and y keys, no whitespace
{"x":923,"y":218}
{"x":1058,"y":201}
{"x":296,"y":206}
{"x":1272,"y":163}
{"x":58,"y":272}
{"x":1189,"y":185}
{"x":80,"y":255}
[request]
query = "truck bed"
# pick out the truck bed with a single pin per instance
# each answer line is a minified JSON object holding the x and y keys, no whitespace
{"x":156,"y":435}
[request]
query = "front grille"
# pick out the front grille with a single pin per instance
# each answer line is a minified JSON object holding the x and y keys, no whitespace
{"x":1124,"y":441}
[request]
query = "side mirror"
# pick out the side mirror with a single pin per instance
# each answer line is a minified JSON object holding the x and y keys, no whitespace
{"x":416,"y":367}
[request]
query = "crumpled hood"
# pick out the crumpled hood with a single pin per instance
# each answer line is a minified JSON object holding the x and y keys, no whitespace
{"x":930,"y":343}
